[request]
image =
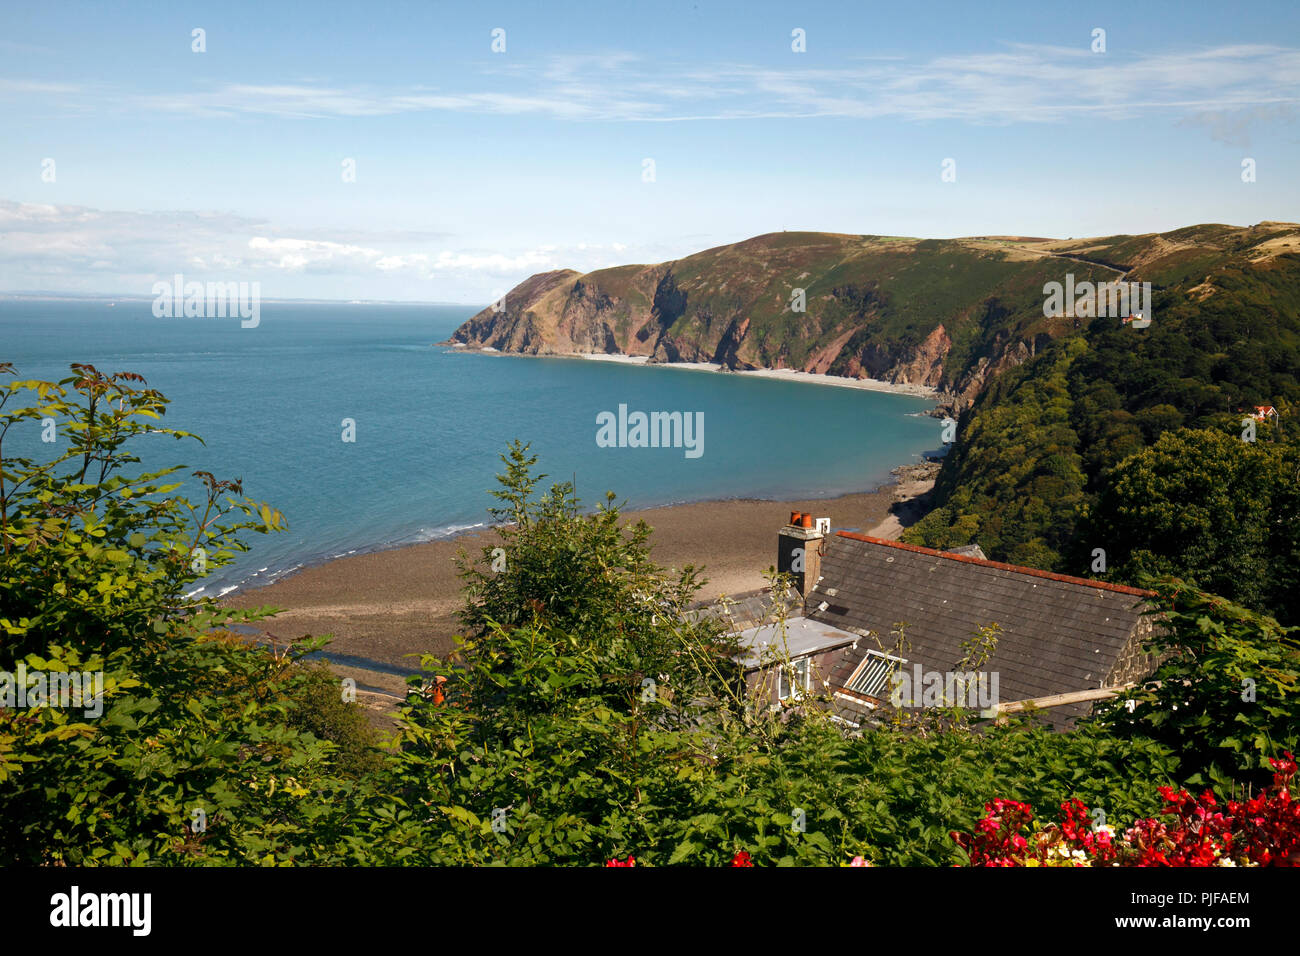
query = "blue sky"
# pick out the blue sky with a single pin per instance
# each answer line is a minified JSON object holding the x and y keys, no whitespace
{"x":475,"y":169}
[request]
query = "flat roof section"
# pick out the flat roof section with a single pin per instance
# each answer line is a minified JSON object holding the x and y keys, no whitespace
{"x":804,"y":637}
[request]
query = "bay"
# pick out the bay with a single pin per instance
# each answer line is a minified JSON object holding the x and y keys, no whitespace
{"x":430,"y":422}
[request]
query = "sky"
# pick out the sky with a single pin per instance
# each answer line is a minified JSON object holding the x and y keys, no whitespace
{"x":446,"y":151}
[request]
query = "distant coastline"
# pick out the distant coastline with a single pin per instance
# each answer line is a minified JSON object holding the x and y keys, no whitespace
{"x":53,"y":296}
{"x":778,"y":374}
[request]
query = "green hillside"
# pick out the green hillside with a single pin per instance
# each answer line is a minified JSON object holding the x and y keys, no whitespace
{"x":947,"y":313}
{"x":1038,"y":452}
{"x":930,"y":312}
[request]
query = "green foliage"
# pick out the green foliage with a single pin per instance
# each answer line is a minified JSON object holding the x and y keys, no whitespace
{"x":581,"y":782}
{"x":1226,"y":698}
{"x":1207,"y":507}
{"x":318,"y":707}
{"x":584,"y":716}
{"x":1014,"y":470}
{"x":95,"y":556}
{"x":588,"y":577}
{"x":1046,"y":442}
{"x":96,"y":564}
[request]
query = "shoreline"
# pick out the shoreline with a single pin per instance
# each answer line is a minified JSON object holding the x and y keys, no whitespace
{"x":384,"y":605}
{"x":454,"y":533}
{"x":776,"y":374}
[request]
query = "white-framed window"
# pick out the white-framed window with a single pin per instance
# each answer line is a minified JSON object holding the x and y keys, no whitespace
{"x":795,"y":678}
{"x":870,"y":677}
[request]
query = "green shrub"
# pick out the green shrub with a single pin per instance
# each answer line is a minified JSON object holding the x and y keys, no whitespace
{"x":1227,"y":697}
{"x":193,"y":758}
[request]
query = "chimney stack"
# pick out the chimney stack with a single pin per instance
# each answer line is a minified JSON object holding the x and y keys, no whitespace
{"x":799,"y":550}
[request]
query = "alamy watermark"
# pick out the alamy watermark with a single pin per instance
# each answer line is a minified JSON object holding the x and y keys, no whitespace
{"x":976,"y":690}
{"x":66,"y":690}
{"x":208,"y":300}
{"x":129,"y":910}
{"x":1130,"y":301}
{"x":651,"y":430}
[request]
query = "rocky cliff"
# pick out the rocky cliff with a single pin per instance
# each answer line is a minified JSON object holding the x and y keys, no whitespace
{"x":950,"y":314}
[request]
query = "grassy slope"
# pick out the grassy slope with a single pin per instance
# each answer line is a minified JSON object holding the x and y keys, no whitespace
{"x":862,"y":292}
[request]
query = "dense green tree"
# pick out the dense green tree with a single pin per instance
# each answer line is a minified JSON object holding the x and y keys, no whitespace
{"x":591,"y":578}
{"x":1208,"y":507}
{"x":1221,"y":343}
{"x":1014,"y":468}
{"x":191,"y":754}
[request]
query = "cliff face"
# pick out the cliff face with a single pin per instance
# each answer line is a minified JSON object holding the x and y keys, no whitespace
{"x":919,"y":365}
{"x":951,"y":314}
{"x":511,"y":325}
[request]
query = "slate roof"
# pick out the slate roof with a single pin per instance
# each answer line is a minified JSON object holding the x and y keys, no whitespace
{"x":744,"y":611}
{"x":1059,"y":634}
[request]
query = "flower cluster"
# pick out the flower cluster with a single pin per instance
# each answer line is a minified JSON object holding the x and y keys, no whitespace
{"x":1269,"y":824}
{"x":1190,"y":831}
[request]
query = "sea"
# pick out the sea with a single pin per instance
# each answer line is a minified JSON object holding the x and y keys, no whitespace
{"x":275,"y":405}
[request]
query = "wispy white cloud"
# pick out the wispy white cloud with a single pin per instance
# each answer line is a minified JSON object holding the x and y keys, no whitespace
{"x":295,"y":255}
{"x":1017,"y":83}
{"x":36,"y":86}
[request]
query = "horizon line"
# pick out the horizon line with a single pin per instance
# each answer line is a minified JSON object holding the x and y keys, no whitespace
{"x":137,"y":297}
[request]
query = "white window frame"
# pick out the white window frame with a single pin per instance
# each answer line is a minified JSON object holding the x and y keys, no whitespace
{"x":786,"y":688}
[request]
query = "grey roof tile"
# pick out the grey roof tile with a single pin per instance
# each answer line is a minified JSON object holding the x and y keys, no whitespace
{"x":1057,"y":635}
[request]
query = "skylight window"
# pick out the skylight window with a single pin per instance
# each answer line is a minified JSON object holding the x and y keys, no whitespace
{"x":870,"y":677}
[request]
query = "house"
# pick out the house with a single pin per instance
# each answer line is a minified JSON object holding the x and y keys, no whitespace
{"x":783,"y":661}
{"x":1265,"y":413}
{"x":779,"y":663}
{"x":1060,"y":641}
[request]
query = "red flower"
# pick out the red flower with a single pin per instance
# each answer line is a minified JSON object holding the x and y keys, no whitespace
{"x":1190,"y":831}
{"x":630,"y":861}
{"x":741,"y":859}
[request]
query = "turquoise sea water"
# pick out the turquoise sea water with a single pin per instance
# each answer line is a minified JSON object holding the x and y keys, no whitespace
{"x":431,"y":423}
